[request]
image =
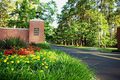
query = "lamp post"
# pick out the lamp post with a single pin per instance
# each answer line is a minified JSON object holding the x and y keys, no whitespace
{"x":37,"y":14}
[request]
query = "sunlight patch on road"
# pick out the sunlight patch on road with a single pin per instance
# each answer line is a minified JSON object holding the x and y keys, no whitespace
{"x":105,"y":56}
{"x":100,"y":54}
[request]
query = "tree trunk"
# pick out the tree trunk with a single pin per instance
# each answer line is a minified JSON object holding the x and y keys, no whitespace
{"x":72,"y":42}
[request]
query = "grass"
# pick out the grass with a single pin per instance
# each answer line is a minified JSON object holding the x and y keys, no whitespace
{"x":71,"y":69}
{"x":45,"y":65}
{"x":42,"y":45}
{"x":106,"y":50}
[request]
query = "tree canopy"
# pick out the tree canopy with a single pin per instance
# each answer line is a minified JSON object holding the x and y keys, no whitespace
{"x":88,"y":23}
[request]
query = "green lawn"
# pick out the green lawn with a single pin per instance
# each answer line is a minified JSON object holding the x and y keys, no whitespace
{"x":107,"y":50}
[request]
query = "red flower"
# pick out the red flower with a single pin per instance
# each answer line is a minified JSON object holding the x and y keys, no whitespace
{"x":8,"y":52}
{"x":23,"y":51}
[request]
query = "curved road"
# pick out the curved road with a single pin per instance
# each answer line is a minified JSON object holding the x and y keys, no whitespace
{"x":105,"y":65}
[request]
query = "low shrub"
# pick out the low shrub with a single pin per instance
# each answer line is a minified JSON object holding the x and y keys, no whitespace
{"x":12,"y":43}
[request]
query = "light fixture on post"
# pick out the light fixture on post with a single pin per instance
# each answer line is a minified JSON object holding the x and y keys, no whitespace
{"x":37,"y":14}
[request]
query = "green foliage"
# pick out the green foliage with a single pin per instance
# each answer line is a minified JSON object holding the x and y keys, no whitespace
{"x":68,"y":68}
{"x":42,"y":45}
{"x":12,"y":43}
{"x":48,"y":11}
{"x":87,"y":23}
{"x":45,"y":65}
{"x":5,"y":7}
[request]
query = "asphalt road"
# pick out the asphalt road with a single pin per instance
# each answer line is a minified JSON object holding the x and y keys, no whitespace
{"x":105,"y":65}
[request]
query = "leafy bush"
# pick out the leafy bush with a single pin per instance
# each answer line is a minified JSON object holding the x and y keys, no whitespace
{"x":12,"y":42}
{"x":108,"y":42}
{"x":45,"y":65}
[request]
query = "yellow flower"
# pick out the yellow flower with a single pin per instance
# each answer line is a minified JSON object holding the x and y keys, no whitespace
{"x":12,"y":56}
{"x":18,"y":61}
{"x":42,"y":63}
{"x":21,"y":56}
{"x":46,"y":67}
{"x":5,"y":60}
{"x":12,"y":61}
{"x":38,"y":57}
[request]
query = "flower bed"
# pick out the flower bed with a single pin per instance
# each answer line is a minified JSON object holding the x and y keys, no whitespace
{"x":43,"y":65}
{"x":38,"y":62}
{"x":13,"y":65}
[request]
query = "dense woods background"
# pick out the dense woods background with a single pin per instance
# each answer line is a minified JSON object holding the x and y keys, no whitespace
{"x":88,"y":23}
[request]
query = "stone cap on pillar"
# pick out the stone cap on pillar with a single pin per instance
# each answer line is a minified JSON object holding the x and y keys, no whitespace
{"x":36,"y":19}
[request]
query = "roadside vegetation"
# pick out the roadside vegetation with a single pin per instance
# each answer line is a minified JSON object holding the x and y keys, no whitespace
{"x":40,"y":62}
{"x":106,"y":50}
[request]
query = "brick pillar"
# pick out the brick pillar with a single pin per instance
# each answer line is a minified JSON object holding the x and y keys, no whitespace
{"x":36,"y":31}
{"x":118,"y":37}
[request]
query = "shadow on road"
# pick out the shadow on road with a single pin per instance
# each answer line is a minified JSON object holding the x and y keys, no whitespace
{"x":105,"y":68}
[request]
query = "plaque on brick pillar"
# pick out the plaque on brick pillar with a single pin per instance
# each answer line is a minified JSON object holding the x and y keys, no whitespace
{"x":36,"y":31}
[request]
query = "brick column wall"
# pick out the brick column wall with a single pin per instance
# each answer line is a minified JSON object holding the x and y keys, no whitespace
{"x":21,"y":33}
{"x":36,"y":31}
{"x":118,"y":37}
